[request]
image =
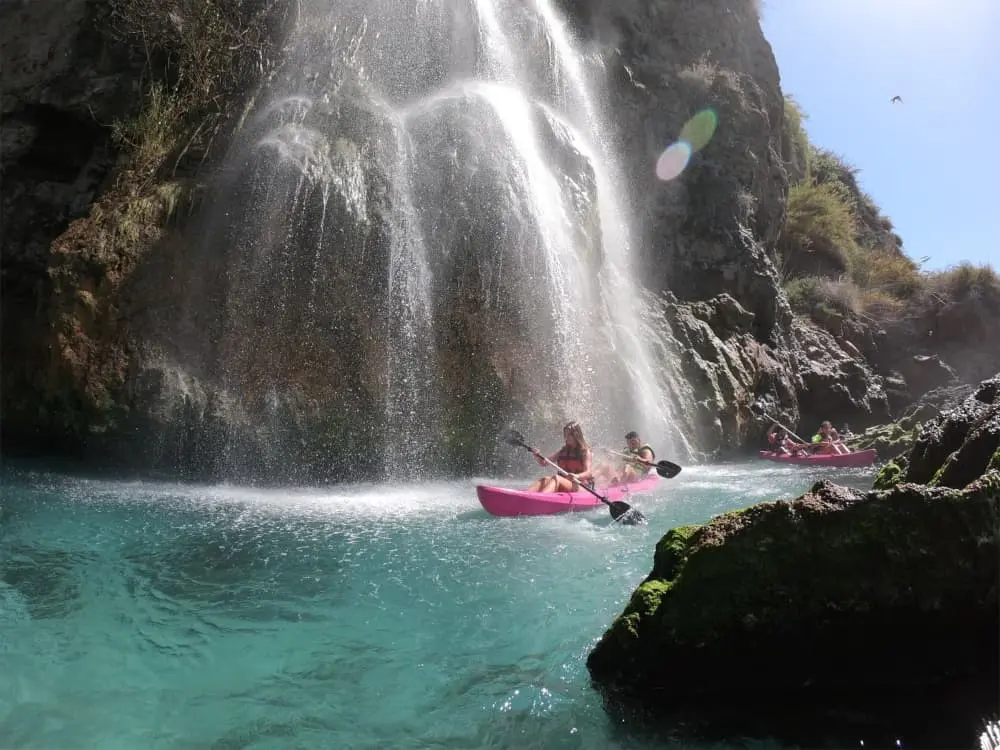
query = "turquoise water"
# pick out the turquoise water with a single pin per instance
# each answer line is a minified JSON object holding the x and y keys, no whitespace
{"x":160,"y":615}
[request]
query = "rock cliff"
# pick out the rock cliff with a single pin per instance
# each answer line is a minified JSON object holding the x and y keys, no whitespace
{"x":838,"y":600}
{"x":711,"y":236}
{"x":108,"y":280}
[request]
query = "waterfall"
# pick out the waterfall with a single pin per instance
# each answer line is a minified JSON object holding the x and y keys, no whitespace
{"x":425,"y":236}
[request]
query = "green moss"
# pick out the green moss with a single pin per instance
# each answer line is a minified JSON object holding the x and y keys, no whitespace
{"x":989,"y":483}
{"x":626,"y":628}
{"x":473,"y":419}
{"x":888,"y":476}
{"x":672,"y":551}
{"x":646,"y":599}
{"x":891,"y":440}
{"x":994,"y":463}
{"x":936,"y":479}
{"x":643,"y":604}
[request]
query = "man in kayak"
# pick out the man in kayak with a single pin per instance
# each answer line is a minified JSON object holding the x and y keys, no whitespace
{"x":827,"y":440}
{"x":575,"y":457}
{"x":644,"y":457}
{"x":636,"y":460}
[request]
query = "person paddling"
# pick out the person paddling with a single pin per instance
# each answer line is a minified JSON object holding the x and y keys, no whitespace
{"x":782,"y":444}
{"x":637,"y":458}
{"x":644,"y":457}
{"x":574,"y":457}
{"x":827,"y":440}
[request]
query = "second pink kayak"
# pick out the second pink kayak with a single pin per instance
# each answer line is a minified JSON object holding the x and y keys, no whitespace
{"x":857,"y":458}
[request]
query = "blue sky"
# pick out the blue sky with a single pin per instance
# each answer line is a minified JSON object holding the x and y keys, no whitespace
{"x":933,"y":162}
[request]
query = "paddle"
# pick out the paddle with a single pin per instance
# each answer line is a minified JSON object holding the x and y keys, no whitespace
{"x":620,"y":511}
{"x":666,"y":469}
{"x":768,"y":416}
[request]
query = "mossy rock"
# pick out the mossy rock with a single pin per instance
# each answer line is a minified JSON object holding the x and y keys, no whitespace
{"x":890,"y":441}
{"x":838,"y":589}
{"x":888,"y":476}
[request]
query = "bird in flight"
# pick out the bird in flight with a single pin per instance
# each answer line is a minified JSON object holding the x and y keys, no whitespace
{"x":896,"y":99}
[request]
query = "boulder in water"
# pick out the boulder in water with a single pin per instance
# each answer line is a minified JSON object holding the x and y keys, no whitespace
{"x":838,"y":599}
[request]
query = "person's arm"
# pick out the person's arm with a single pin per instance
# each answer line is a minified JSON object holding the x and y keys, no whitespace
{"x":588,"y":465}
{"x":646,"y":455}
{"x":541,"y":459}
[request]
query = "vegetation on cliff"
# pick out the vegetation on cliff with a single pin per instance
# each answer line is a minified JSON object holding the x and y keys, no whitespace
{"x":841,"y":258}
{"x":199,"y":61}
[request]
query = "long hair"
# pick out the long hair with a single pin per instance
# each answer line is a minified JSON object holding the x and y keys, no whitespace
{"x":577,"y":432}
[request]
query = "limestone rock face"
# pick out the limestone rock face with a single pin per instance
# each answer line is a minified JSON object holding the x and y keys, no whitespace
{"x":710,"y":233}
{"x":731,"y":377}
{"x":707,"y":232}
{"x":897,"y":438}
{"x":63,"y":85}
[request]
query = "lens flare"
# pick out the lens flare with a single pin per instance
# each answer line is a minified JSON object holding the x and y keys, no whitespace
{"x":695,"y":135}
{"x":673,"y":161}
{"x":698,"y":131}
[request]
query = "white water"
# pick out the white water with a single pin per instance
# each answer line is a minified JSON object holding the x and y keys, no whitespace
{"x":489,"y":126}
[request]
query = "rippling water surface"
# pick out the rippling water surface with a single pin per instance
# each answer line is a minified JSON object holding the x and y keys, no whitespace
{"x":168,"y":616}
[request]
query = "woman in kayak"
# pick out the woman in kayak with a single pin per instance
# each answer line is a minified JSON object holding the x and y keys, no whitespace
{"x":574,"y":457}
{"x":782,"y":444}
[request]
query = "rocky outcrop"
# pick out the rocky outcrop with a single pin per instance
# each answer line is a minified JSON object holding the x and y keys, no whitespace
{"x":897,"y":438}
{"x":882,"y":597}
{"x":950,"y":451}
{"x":711,"y":233}
{"x":732,"y":376}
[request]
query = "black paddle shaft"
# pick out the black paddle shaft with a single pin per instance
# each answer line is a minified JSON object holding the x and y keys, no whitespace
{"x":620,"y":511}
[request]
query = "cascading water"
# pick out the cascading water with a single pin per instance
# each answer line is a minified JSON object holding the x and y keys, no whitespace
{"x":425,"y":225}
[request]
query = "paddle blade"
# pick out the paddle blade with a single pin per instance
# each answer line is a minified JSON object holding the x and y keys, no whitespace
{"x":625,"y":513}
{"x":515,"y":438}
{"x":667,"y":469}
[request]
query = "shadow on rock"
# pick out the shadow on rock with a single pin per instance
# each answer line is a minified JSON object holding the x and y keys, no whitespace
{"x":952,"y":717}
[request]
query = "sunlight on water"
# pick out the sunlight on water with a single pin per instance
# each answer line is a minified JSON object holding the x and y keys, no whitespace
{"x":138,"y":614}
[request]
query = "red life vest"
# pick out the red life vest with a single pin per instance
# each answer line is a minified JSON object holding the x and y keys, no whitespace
{"x":571,"y":459}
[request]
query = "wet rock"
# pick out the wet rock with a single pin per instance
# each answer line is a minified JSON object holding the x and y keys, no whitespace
{"x":958,"y":446}
{"x":896,"y":438}
{"x":733,"y":377}
{"x":884,"y":595}
{"x":925,"y":373}
{"x":765,"y":599}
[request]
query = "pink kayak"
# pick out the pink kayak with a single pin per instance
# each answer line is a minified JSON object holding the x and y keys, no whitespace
{"x":501,"y":501}
{"x":857,"y":458}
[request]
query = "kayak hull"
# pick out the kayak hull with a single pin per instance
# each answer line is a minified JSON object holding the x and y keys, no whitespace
{"x":842,"y":460}
{"x":501,"y":501}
